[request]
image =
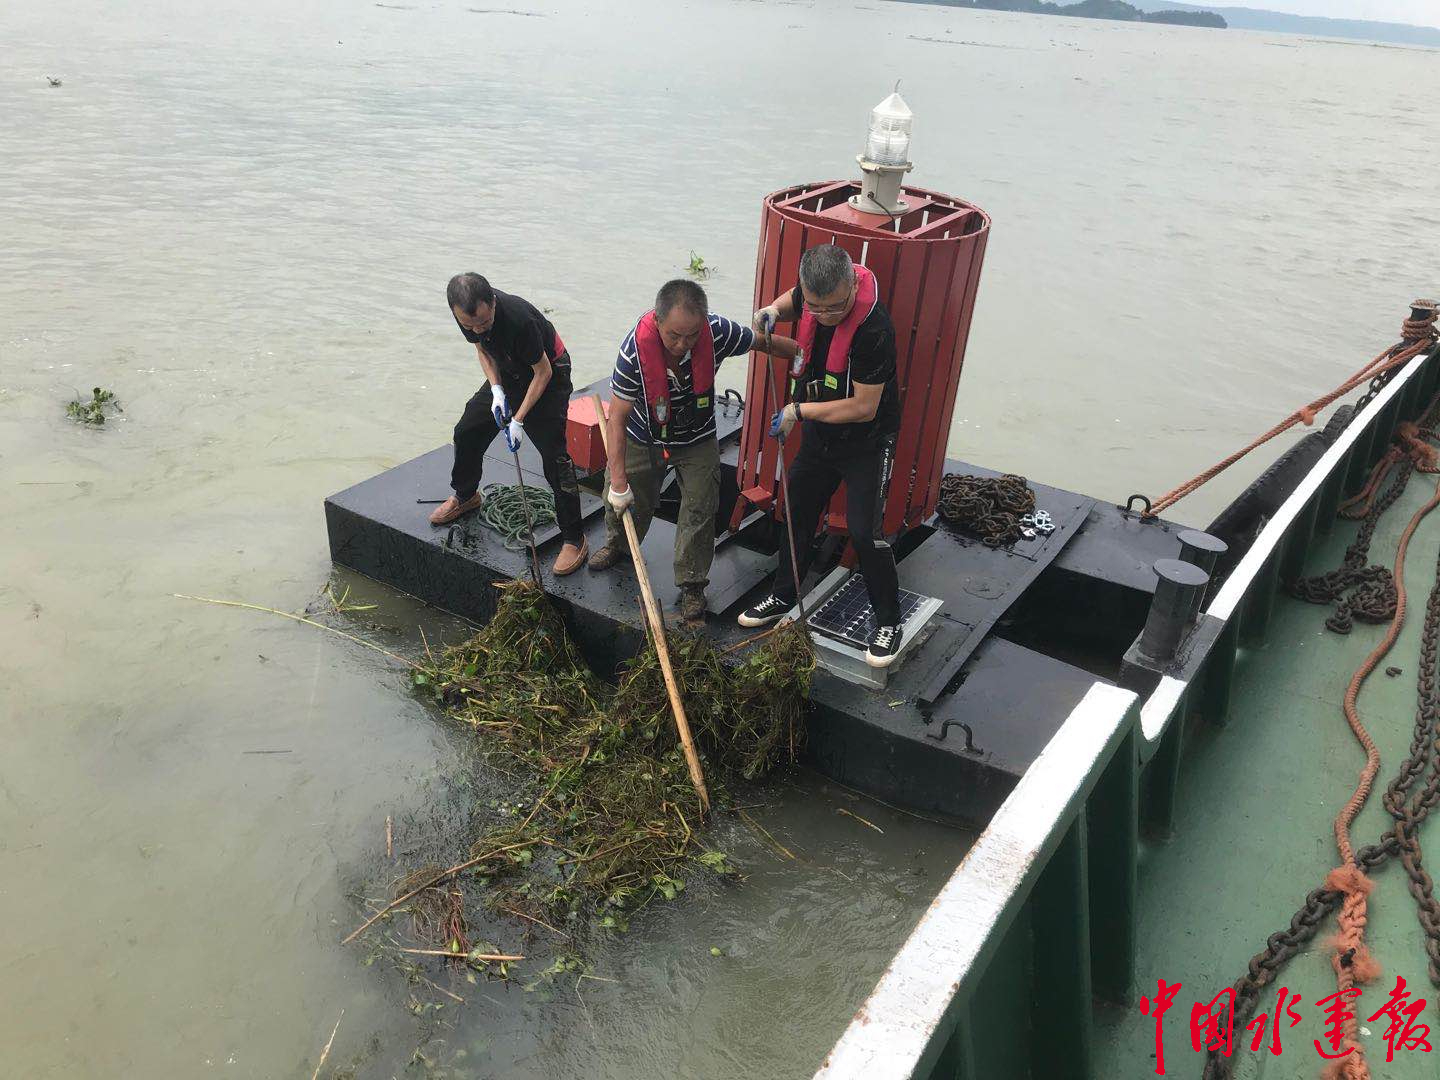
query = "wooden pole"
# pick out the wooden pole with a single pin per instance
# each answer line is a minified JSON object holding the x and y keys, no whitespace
{"x":657,"y":632}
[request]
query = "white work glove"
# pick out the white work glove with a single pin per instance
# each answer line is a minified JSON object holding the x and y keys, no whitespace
{"x":783,"y":421}
{"x":620,"y":500}
{"x":499,"y":407}
{"x":514,"y":435}
{"x":765,"y":319}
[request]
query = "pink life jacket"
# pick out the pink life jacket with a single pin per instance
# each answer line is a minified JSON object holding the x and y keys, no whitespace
{"x":655,"y":361}
{"x":837,"y":359}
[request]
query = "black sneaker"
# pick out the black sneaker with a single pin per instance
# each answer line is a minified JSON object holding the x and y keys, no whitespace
{"x":765,"y":612}
{"x":884,"y":644}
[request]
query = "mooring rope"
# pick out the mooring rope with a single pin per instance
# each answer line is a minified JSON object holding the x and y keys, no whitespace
{"x":1416,"y":335}
{"x":504,"y":512}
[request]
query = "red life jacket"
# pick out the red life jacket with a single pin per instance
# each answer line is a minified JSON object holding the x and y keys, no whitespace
{"x":837,"y":359}
{"x":655,"y":361}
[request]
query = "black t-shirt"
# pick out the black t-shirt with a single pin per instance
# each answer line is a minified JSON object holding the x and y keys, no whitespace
{"x":517,"y":340}
{"x":872,"y":360}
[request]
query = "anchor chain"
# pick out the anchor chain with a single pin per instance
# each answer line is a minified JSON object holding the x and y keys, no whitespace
{"x":993,"y":509}
{"x":1408,"y":810}
{"x":1370,"y":587}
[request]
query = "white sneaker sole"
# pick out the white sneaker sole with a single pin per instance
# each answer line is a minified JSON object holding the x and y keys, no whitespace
{"x":880,"y":661}
{"x":746,"y":619}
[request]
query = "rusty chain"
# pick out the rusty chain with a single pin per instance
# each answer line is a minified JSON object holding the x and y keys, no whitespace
{"x":1408,"y":810}
{"x":1370,"y":587}
{"x":988,"y":507}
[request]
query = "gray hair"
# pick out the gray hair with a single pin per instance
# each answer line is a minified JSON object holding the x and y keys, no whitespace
{"x":825,"y":269}
{"x":683,"y":293}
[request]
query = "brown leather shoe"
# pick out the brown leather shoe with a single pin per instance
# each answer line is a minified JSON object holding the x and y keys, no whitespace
{"x":570,"y":559}
{"x":453,"y":508}
{"x":606,"y":557}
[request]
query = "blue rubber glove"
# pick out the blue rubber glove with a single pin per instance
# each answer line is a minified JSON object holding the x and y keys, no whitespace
{"x":499,"y":407}
{"x":783,"y":421}
{"x":514,"y":435}
{"x":765,"y":320}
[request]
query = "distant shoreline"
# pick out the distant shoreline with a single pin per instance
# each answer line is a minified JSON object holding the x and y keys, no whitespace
{"x":1230,"y":17}
{"x":1113,"y":10}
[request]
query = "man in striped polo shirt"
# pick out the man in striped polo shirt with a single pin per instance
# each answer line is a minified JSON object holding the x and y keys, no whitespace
{"x":663,"y":403}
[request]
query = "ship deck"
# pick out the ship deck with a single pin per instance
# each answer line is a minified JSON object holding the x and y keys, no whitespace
{"x":1254,"y":834}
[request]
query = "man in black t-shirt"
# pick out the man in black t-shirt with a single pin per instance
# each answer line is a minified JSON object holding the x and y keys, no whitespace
{"x":527,"y":391}
{"x":845,"y":396}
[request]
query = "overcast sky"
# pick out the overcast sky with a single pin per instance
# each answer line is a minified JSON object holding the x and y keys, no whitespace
{"x":1420,"y":12}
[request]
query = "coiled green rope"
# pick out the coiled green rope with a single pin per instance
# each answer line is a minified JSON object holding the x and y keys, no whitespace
{"x":504,"y":512}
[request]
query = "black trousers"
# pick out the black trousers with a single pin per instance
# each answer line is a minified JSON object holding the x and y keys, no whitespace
{"x":544,"y":427}
{"x":815,"y":474}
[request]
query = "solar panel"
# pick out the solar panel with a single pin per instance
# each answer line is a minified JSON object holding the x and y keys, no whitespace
{"x":846,"y":615}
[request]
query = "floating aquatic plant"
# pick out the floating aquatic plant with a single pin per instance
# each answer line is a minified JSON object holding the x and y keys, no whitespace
{"x":93,"y":410}
{"x":697,"y":268}
{"x":611,"y":821}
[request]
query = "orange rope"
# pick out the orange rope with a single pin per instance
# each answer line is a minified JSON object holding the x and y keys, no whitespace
{"x":1416,"y":336}
{"x":1353,"y":964}
{"x":1411,"y":437}
{"x":1351,"y":958}
{"x":1413,"y":445}
{"x":1358,"y":505}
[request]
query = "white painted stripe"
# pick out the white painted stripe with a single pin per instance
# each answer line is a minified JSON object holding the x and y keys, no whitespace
{"x":1156,"y":712}
{"x":902,"y":1027}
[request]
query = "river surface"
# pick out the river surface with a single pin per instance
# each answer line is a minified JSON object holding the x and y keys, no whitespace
{"x":241,"y":218}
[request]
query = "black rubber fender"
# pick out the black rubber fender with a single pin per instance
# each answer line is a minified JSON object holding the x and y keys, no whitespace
{"x":1338,"y":423}
{"x":1240,"y":522}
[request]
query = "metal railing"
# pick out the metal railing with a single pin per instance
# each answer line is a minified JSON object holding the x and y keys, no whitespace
{"x":1038,"y":921}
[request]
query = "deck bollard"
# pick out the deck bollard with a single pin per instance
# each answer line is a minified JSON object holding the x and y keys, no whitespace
{"x":1202,"y":550}
{"x":1173,"y":607}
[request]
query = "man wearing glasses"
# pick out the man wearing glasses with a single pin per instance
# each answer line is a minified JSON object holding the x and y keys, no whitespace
{"x":662,"y":414}
{"x":846,"y":398}
{"x":527,"y":369}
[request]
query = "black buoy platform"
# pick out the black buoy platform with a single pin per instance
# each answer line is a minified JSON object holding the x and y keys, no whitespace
{"x":1022,"y":634}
